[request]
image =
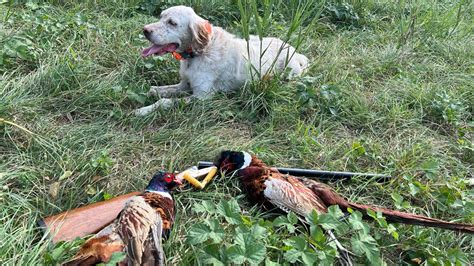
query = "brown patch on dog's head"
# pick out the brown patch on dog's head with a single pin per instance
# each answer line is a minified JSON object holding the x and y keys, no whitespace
{"x":201,"y":31}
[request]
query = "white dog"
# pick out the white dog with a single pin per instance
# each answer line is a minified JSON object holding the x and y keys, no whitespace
{"x":211,"y":58}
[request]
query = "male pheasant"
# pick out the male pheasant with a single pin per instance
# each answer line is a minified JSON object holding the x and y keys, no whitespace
{"x":137,"y":230}
{"x":267,"y":186}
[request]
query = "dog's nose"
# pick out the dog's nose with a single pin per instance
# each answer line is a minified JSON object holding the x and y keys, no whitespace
{"x":147,"y":31}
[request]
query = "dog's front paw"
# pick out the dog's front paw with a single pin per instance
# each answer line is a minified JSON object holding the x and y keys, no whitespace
{"x":162,"y":103}
{"x":144,"y":110}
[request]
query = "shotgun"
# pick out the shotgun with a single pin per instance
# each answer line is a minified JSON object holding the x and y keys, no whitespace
{"x":319,"y":174}
{"x":85,"y":220}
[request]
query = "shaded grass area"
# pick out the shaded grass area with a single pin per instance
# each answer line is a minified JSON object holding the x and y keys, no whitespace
{"x":390,"y":90}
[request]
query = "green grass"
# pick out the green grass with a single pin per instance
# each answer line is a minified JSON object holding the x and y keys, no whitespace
{"x":390,"y":90}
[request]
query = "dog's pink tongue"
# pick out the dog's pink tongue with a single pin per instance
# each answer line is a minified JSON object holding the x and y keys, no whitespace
{"x":151,"y":50}
{"x":159,"y":49}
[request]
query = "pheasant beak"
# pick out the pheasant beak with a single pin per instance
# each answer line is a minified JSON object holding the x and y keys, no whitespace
{"x":177,"y":181}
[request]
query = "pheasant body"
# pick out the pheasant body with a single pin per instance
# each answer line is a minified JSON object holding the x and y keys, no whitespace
{"x":137,"y":230}
{"x":266,"y":185}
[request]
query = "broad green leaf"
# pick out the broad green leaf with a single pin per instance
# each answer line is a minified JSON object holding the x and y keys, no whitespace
{"x":399,"y":202}
{"x":430,"y":167}
{"x":355,"y":220}
{"x":246,"y":220}
{"x":378,"y":217}
{"x":259,"y":232}
{"x":283,"y":221}
{"x":217,"y":233}
{"x":91,"y":190}
{"x":335,"y":211}
{"x":292,"y":255}
{"x":213,"y":255}
{"x":58,"y":251}
{"x":457,"y":257}
{"x":309,"y":257}
{"x":230,"y":210}
{"x":240,"y":238}
{"x":330,"y":220}
{"x":268,"y":262}
{"x":255,"y":253}
{"x":397,"y":198}
{"x":327,"y":256}
{"x":205,"y":207}
{"x":414,"y":190}
{"x":280,"y":221}
{"x":107,"y":196}
{"x":363,"y":244}
{"x":198,"y":233}
{"x":372,"y":214}
{"x":297,"y":249}
{"x":246,"y":249}
{"x":23,"y":53}
{"x":136,"y":97}
{"x":313,"y":217}
{"x":292,"y":218}
{"x":317,"y":234}
{"x":297,"y":242}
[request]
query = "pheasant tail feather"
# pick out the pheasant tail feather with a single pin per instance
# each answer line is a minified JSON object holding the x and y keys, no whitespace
{"x":408,"y":218}
{"x":330,"y":197}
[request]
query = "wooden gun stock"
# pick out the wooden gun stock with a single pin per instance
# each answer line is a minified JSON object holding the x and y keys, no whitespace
{"x":85,"y":220}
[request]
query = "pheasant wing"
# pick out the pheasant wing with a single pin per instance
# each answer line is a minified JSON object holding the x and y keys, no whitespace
{"x":137,"y":221}
{"x":289,"y":194}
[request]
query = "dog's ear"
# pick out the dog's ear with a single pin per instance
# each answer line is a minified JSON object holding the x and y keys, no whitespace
{"x":201,"y":31}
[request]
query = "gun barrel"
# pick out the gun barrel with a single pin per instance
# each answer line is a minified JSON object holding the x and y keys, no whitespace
{"x":320,"y":174}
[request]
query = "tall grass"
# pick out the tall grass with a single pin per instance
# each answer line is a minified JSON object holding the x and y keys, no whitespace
{"x":262,"y":16}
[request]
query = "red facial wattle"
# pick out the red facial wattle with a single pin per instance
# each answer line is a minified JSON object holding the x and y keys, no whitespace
{"x":169,"y":178}
{"x":227,"y":165}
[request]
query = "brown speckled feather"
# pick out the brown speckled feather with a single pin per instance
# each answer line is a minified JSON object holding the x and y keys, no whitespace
{"x":164,"y":206}
{"x":138,"y":225}
{"x":286,"y":192}
{"x":137,"y":231}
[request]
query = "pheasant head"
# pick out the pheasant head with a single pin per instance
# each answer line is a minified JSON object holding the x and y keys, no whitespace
{"x":231,"y":161}
{"x":251,"y":172}
{"x":163,"y":182}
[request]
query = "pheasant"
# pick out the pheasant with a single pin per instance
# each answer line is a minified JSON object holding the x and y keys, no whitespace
{"x":138,"y":229}
{"x":270,"y":188}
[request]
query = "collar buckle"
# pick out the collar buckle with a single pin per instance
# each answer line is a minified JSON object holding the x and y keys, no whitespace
{"x":184,"y":55}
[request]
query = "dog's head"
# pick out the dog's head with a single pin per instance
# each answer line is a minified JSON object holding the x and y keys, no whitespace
{"x":178,"y":29}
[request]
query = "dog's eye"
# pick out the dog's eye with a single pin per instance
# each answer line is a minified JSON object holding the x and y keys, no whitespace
{"x":171,"y":22}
